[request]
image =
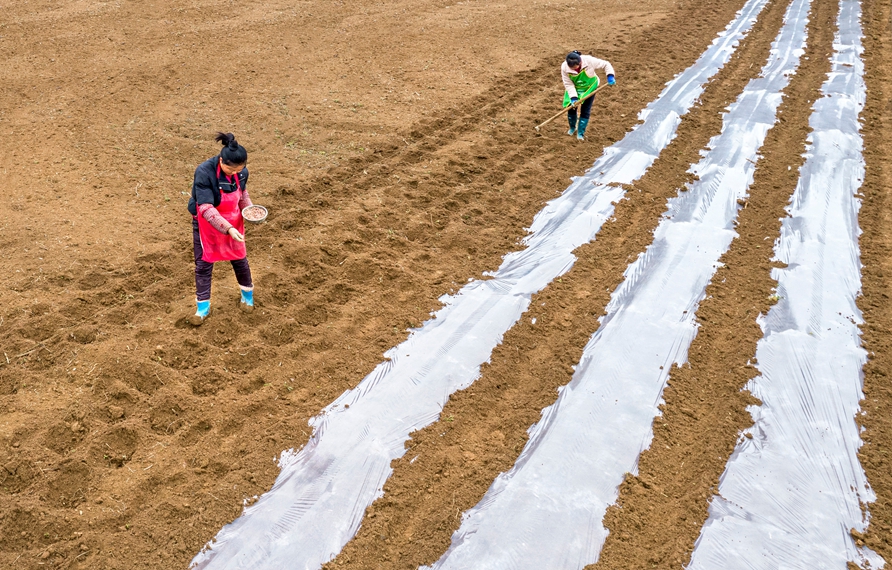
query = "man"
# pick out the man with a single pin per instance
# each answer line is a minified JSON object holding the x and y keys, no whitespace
{"x":578,"y":72}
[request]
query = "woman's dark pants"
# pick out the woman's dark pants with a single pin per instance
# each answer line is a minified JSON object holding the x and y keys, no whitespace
{"x":585,"y":110}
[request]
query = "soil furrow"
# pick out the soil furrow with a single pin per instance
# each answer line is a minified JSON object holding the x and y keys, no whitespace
{"x":875,"y":220}
{"x":660,"y":512}
{"x":129,"y":441}
{"x":126,"y":441}
{"x":450,"y":465}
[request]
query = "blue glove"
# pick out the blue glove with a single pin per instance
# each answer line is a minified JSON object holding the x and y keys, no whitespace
{"x":573,"y":100}
{"x":611,"y":80}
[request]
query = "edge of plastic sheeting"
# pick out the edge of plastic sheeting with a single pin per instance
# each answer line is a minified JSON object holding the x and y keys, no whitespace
{"x":793,"y":487}
{"x":547,"y":511}
{"x":317,"y":502}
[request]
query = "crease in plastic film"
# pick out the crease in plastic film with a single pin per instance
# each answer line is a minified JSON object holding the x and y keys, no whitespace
{"x":794,"y":486}
{"x":317,"y":502}
{"x":547,"y":511}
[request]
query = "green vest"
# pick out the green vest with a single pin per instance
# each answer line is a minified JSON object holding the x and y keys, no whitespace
{"x":584,"y":85}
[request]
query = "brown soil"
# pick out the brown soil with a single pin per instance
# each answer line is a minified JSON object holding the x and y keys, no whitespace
{"x":876,"y":219}
{"x":127,"y":438}
{"x":660,"y":512}
{"x":451,"y":464}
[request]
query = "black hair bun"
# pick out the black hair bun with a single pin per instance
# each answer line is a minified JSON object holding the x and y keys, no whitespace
{"x":233,"y":153}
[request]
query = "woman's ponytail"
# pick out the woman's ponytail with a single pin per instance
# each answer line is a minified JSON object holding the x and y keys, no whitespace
{"x":233,"y":154}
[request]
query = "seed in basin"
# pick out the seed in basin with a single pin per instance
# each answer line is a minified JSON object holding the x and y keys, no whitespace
{"x":254,"y":213}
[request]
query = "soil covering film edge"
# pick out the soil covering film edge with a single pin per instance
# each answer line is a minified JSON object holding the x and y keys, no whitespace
{"x":335,"y":478}
{"x":549,"y":507}
{"x":794,"y":479}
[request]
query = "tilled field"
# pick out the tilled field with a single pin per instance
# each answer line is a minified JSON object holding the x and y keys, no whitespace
{"x":393,"y":145}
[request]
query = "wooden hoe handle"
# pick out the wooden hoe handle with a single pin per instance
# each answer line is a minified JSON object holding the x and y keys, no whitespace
{"x":568,"y":107}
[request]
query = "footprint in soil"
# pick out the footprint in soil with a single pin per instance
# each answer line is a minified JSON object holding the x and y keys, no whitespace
{"x":181,"y":357}
{"x":207,"y":381}
{"x":41,"y":328}
{"x":167,"y":416}
{"x":17,"y":474}
{"x":92,"y":280}
{"x":68,"y":487}
{"x":83,"y":334}
{"x":21,"y":529}
{"x":195,"y":432}
{"x":279,"y":334}
{"x":114,"y":448}
{"x":64,"y":436}
{"x":147,"y":377}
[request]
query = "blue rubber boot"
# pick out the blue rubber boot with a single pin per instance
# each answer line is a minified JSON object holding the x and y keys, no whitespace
{"x":203,"y":308}
{"x":247,"y":300}
{"x":580,"y":130}
{"x":572,"y":121}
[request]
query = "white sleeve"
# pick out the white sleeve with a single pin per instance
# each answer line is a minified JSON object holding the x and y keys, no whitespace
{"x":593,"y":63}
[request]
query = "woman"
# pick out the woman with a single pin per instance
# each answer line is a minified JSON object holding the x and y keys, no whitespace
{"x":218,"y":230}
{"x":580,"y":79}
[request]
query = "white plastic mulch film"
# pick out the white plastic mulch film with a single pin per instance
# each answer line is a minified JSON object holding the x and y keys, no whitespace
{"x":319,"y":498}
{"x":547,"y":511}
{"x":794,"y":487}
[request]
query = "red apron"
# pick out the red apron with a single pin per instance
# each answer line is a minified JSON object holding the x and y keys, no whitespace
{"x":221,"y":247}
